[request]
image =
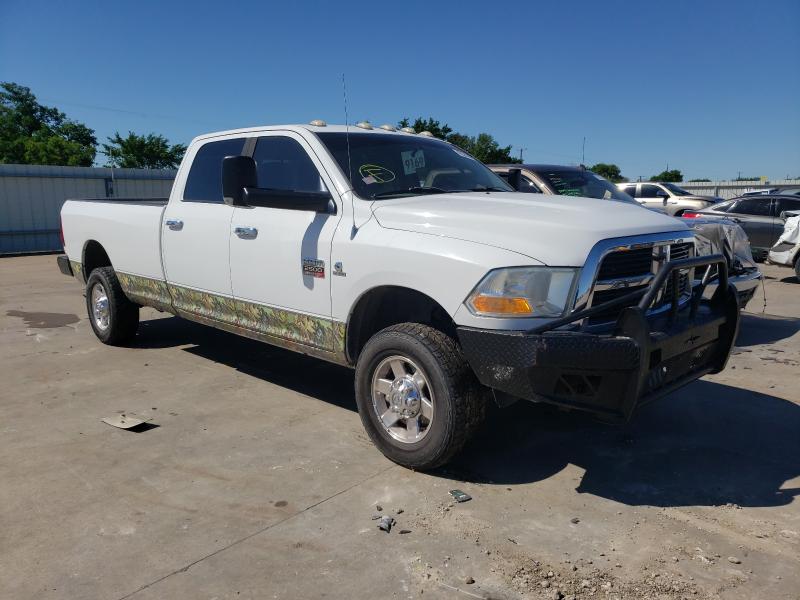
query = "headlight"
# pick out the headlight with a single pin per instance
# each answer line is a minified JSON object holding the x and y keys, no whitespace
{"x":523,"y":292}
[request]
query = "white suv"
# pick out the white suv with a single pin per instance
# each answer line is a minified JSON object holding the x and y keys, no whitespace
{"x":667,"y":197}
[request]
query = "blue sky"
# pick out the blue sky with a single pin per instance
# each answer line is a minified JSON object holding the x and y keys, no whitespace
{"x":711,"y":88}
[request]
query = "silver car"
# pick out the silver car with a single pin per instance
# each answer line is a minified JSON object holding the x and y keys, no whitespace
{"x":669,"y":197}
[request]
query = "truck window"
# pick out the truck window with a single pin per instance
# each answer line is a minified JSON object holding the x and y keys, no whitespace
{"x":282,"y":164}
{"x":204,"y":183}
{"x":650,"y":191}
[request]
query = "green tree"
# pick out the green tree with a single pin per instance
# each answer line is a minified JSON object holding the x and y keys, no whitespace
{"x":430,"y":124}
{"x":34,"y":134}
{"x":483,"y":146}
{"x":608,"y":170}
{"x":149,"y":151}
{"x":671,"y":176}
{"x":698,"y":180}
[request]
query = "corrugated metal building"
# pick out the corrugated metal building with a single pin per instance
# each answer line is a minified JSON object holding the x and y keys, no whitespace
{"x":31,"y":197}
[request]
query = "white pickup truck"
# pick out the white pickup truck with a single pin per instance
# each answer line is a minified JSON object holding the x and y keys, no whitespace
{"x":405,"y":258}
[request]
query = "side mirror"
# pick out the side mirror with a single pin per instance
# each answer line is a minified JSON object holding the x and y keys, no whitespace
{"x":238,"y":173}
{"x":783,"y":216}
{"x":515,"y":178}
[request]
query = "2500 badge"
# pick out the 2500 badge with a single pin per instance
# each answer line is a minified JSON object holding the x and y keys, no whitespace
{"x":313,"y":267}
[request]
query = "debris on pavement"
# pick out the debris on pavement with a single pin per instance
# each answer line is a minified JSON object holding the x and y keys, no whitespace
{"x":574,"y":520}
{"x":124,"y":420}
{"x":386,"y":523}
{"x":460,"y":496}
{"x":734,"y":560}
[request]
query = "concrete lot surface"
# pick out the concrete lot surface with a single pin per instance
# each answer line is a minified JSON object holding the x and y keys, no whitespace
{"x":256,"y":479}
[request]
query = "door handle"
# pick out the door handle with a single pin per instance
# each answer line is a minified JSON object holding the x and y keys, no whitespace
{"x":246,"y":233}
{"x":175,"y":224}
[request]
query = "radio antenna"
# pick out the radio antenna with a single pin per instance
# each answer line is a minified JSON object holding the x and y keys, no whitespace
{"x":354,"y":229}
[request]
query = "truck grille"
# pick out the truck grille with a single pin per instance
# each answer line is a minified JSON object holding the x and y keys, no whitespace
{"x":626,"y":264}
{"x":635,"y":263}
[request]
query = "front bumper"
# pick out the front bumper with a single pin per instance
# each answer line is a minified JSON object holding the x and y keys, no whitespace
{"x":746,"y":284}
{"x":644,"y":357}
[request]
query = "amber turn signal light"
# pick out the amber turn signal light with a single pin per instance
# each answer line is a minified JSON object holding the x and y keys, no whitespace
{"x":501,"y":305}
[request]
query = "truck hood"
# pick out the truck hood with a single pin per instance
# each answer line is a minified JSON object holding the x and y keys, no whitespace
{"x":555,"y":230}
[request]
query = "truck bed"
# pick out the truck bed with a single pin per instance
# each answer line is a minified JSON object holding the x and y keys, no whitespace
{"x":129,"y":229}
{"x":138,"y":201}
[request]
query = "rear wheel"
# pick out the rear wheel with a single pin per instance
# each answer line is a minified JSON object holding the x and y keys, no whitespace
{"x":417,"y":397}
{"x":113,"y":317}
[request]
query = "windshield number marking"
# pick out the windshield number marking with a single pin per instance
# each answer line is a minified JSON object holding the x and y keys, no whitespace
{"x":413,"y":161}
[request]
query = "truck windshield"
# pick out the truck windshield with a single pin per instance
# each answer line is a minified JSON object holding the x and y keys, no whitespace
{"x":395,"y":165}
{"x":577,"y":182}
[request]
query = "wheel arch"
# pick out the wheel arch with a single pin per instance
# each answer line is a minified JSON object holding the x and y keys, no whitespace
{"x":386,"y":305}
{"x":93,"y":256}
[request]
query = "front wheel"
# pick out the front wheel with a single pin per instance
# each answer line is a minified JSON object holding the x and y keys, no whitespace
{"x":114,"y":318}
{"x":417,"y":397}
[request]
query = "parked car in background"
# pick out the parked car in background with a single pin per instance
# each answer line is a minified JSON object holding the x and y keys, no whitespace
{"x":786,"y":251}
{"x":712,"y":236}
{"x":759,"y":216}
{"x":764,"y":192}
{"x":774,"y":192}
{"x":560,"y":180}
{"x":673,"y":199}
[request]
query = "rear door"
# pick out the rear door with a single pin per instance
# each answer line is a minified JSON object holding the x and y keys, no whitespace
{"x":280,"y":258}
{"x":195,"y":237}
{"x":756,"y":216}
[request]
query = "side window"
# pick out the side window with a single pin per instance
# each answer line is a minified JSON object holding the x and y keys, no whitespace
{"x":283,"y":164}
{"x":527,"y":186}
{"x":787,"y":204}
{"x":204,"y":183}
{"x":629,"y":189}
{"x":753,"y":206}
{"x":650,"y":191}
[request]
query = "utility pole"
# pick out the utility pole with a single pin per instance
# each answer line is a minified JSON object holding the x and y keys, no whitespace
{"x":520,"y":153}
{"x":583,"y":151}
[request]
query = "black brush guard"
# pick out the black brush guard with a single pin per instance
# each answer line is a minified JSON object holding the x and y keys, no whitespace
{"x":645,"y":355}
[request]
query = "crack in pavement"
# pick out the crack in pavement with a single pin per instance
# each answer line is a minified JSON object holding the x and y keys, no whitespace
{"x":255,"y":533}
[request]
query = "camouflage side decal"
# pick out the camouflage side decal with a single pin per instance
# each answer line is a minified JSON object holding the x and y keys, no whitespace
{"x":205,"y":304}
{"x":297,"y":331}
{"x":146,"y":291}
{"x":77,"y":269}
{"x":297,"y":327}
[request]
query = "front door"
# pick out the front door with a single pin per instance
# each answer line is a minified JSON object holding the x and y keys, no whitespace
{"x":652,"y":196}
{"x":195,"y":237}
{"x":755,"y":215}
{"x":280,"y":258}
